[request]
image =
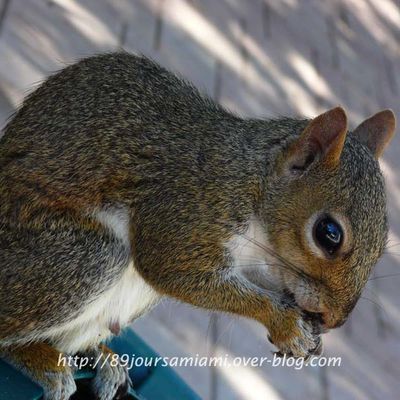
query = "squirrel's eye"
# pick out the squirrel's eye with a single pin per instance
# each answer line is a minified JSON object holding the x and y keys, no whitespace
{"x":328,"y":234}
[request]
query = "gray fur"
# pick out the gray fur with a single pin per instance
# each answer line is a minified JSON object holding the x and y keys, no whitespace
{"x":117,"y":129}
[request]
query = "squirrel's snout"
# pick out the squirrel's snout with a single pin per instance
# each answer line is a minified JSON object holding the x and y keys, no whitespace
{"x":314,"y":302}
{"x":327,"y":318}
{"x":330,"y":321}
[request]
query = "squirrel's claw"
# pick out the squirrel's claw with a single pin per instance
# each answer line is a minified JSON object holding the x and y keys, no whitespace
{"x":112,"y":380}
{"x":304,"y":341}
{"x":58,"y":385}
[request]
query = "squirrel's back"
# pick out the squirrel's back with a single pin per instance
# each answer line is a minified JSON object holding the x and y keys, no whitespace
{"x":78,"y":137}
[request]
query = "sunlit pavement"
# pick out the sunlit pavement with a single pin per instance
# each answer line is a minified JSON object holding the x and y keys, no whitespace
{"x":258,"y":58}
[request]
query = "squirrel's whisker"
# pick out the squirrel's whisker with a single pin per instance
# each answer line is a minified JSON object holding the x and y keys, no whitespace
{"x":279,"y":257}
{"x":375,"y":303}
{"x":390,"y":253}
{"x":384,"y":276}
{"x":392,"y":245}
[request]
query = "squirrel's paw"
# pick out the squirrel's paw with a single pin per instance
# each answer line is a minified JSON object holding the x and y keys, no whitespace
{"x":297,"y":336}
{"x":58,"y":385}
{"x":112,"y":380}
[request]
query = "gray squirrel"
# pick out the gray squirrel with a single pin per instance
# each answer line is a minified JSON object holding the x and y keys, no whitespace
{"x":120,"y":184}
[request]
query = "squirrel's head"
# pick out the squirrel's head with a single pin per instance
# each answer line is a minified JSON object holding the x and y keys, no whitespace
{"x":325,"y":212}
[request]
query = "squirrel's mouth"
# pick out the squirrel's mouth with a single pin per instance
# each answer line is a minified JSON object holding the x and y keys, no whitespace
{"x":288,"y":296}
{"x":315,"y":317}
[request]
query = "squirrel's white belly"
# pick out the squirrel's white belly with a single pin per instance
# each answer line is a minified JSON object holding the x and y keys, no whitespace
{"x":251,"y":260}
{"x":130,"y":297}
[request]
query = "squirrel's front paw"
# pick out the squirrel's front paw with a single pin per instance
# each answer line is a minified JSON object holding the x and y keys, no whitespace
{"x":58,"y":385}
{"x":41,"y":363}
{"x":296,"y":334}
{"x":112,"y":380}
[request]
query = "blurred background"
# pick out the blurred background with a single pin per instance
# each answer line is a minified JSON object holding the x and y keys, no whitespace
{"x":259,"y":58}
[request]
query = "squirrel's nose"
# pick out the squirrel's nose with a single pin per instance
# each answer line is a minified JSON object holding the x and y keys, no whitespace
{"x":324,"y":316}
{"x":321,"y":311}
{"x":331,"y":321}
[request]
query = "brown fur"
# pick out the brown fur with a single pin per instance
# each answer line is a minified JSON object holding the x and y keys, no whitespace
{"x":118,"y":130}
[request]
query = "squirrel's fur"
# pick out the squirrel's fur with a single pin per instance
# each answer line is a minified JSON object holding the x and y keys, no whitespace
{"x":117,"y":135}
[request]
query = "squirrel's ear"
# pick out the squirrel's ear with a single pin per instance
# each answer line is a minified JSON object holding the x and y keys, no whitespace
{"x":377,"y":131}
{"x":322,"y":139}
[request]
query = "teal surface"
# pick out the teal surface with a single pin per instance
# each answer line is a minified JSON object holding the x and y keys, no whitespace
{"x":151,"y":382}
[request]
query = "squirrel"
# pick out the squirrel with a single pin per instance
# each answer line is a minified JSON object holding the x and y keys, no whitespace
{"x":120,"y":184}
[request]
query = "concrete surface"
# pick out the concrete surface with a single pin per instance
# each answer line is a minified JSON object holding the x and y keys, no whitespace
{"x":259,"y":58}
